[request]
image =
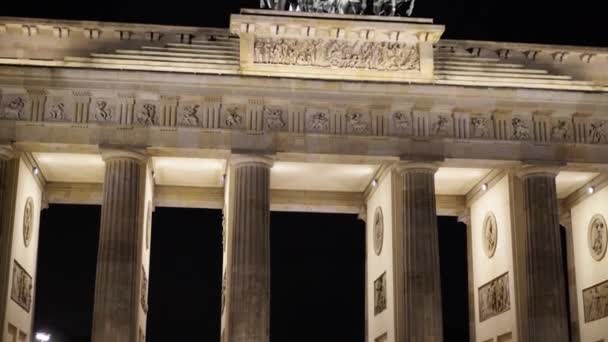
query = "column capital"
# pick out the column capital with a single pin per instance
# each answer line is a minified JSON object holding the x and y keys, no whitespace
{"x":426,"y":167}
{"x":111,"y":153}
{"x":237,"y":160}
{"x":465,"y":217}
{"x":530,"y":170}
{"x":6,"y":152}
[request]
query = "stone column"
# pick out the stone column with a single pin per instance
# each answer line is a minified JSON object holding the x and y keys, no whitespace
{"x":8,"y":180}
{"x":465,"y":218}
{"x":419,"y":317}
{"x":248,"y":302}
{"x":546,"y":296}
{"x":115,"y":312}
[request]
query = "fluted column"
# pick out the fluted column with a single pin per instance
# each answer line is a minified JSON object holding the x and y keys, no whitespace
{"x":119,"y":255}
{"x":249,"y":262}
{"x":547,"y":316}
{"x":420,"y":313}
{"x":8,"y":180}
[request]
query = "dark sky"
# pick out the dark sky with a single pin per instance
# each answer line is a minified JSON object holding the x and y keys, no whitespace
{"x":580,"y":22}
{"x":318,"y":276}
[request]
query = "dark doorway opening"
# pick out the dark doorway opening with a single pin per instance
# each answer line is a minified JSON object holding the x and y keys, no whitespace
{"x":318,"y":277}
{"x":65,"y":277}
{"x":454,"y":279}
{"x":185,"y":275}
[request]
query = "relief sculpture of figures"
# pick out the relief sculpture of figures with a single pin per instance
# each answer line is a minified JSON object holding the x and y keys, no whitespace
{"x":560,"y":131}
{"x":479,"y":127}
{"x":494,"y":298}
{"x":595,"y":302}
{"x":21,"y":290}
{"x":14,"y":109}
{"x":274,"y":118}
{"x":190,"y":115}
{"x":357,"y":122}
{"x":382,"y":56}
{"x":376,"y":7}
{"x":147,"y":114}
{"x":598,"y":132}
{"x":103,"y":111}
{"x":520,"y":130}
{"x":319,"y":122}
{"x":597,"y":237}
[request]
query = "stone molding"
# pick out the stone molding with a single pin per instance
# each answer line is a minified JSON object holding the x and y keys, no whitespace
{"x":418,"y":167}
{"x":526,"y":171}
{"x":6,"y":152}
{"x":238,"y":160}
{"x":329,"y":119}
{"x":109,"y":154}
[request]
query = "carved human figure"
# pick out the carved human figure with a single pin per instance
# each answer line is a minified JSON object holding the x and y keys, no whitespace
{"x":520,"y":129}
{"x":319,"y":122}
{"x":274,"y":118}
{"x":190,"y":115}
{"x":357,"y":122}
{"x":480,"y":127}
{"x":560,"y":131}
{"x":57,"y":111}
{"x":598,"y":236}
{"x":103,"y":111}
{"x":233,"y":119}
{"x":598,"y":132}
{"x":14,"y":109}
{"x":147,"y":114}
{"x":402,"y":120}
{"x":440,"y":127}
{"x":28,"y":218}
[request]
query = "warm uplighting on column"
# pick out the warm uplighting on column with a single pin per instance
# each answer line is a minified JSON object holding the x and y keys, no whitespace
{"x":374,"y":183}
{"x":484,"y":187}
{"x":43,"y":337}
{"x":591,"y":190}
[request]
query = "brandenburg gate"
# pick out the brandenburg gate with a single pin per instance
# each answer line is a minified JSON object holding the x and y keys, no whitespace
{"x":315,"y":112}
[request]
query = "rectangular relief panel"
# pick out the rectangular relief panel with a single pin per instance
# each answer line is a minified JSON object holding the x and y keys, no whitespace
{"x":276,"y":43}
{"x":380,"y":294}
{"x":494,"y":298}
{"x":382,"y":338}
{"x":505,"y":337}
{"x":595,"y":301}
{"x":22,"y":287}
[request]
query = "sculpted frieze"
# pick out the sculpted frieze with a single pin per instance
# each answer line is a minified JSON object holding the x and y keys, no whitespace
{"x":521,"y":129}
{"x":595,"y":302}
{"x":442,"y":125}
{"x":13,"y":107}
{"x":274,"y":118}
{"x":146,"y":114}
{"x":58,"y":110}
{"x":103,"y":110}
{"x":480,"y":127}
{"x":561,"y":130}
{"x":317,"y":121}
{"x":233,"y":116}
{"x":494,"y":298}
{"x":333,"y":53}
{"x":357,"y":122}
{"x":598,"y":132}
{"x":22,"y":287}
{"x":188,"y":114}
{"x":401,"y":122}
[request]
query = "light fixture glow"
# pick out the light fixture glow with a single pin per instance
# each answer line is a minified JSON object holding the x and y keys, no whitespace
{"x":484,"y":187}
{"x":43,"y":337}
{"x":374,"y":183}
{"x":36,"y":170}
{"x":223,"y":179}
{"x":590,"y":190}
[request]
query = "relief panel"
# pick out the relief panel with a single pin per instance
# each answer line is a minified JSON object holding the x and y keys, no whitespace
{"x":494,"y":298}
{"x":595,"y":302}
{"x":22,"y":287}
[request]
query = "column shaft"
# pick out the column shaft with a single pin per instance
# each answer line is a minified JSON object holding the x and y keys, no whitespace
{"x":249,"y":290}
{"x":422,"y":314}
{"x":547,"y":316}
{"x":118,"y":263}
{"x":9,"y":169}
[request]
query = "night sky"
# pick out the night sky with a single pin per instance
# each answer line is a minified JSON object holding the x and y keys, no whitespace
{"x":317,"y":259}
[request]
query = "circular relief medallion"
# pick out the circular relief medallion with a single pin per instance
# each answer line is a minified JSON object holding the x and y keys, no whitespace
{"x":28,"y":221}
{"x":597,"y":237}
{"x":490,"y":235}
{"x":378,"y":231}
{"x":149,"y":225}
